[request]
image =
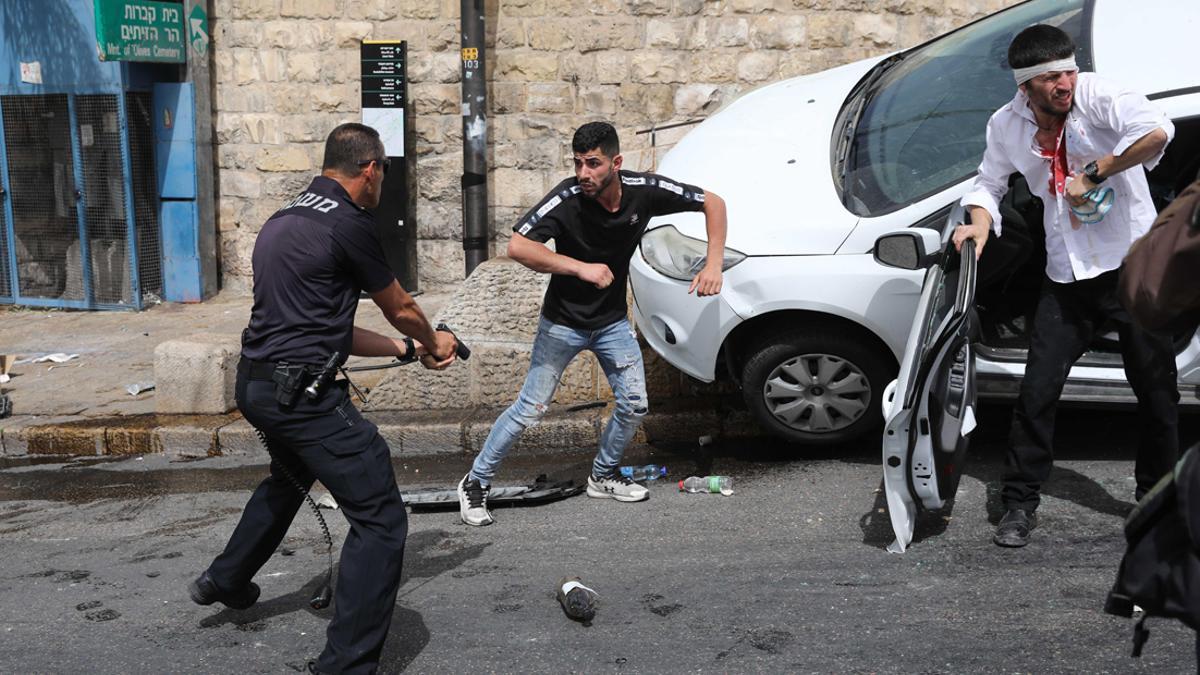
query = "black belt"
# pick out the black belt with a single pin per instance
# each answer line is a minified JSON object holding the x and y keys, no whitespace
{"x":264,"y":370}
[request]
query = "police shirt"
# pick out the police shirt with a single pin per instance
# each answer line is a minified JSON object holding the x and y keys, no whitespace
{"x":312,"y":260}
{"x":584,"y":230}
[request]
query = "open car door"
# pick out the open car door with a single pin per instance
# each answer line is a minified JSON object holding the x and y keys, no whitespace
{"x":929,"y":410}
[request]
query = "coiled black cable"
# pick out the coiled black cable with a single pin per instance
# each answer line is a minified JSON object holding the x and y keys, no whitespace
{"x":325,"y":592}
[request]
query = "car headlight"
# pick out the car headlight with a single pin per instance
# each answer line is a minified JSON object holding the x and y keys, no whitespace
{"x":678,"y":256}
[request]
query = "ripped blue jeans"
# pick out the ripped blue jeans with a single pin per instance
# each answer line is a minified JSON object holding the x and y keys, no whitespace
{"x":616,"y":348}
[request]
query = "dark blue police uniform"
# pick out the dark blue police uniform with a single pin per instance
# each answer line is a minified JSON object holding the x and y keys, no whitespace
{"x":311,"y":261}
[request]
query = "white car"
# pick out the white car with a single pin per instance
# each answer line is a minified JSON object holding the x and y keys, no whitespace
{"x":815,"y":168}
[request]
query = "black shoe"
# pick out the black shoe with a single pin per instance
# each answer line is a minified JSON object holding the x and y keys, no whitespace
{"x":205,"y":592}
{"x":1014,"y":528}
{"x":311,"y":667}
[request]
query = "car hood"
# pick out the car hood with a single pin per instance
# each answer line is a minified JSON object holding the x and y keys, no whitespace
{"x":767,"y":155}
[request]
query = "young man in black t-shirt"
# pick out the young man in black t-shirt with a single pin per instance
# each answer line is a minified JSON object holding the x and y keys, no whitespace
{"x":596,"y":220}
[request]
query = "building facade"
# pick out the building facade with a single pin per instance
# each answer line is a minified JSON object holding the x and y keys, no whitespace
{"x":285,"y":72}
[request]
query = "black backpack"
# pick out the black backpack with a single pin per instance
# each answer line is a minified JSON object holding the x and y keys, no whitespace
{"x":1161,"y":569}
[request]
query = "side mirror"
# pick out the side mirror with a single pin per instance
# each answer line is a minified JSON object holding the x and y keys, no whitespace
{"x":911,"y":249}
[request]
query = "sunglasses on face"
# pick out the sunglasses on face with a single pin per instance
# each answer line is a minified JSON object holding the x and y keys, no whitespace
{"x":383,"y":163}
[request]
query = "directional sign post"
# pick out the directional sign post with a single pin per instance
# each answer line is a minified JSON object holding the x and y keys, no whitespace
{"x":140,"y":30}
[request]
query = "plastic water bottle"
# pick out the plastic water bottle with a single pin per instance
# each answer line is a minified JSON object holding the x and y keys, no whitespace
{"x":713,"y":484}
{"x":578,"y":601}
{"x":648,"y":472}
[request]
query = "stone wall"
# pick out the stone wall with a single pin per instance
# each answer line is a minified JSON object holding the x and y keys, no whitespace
{"x":287,"y":71}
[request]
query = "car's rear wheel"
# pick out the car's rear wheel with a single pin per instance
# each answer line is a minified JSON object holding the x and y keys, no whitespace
{"x":816,"y":387}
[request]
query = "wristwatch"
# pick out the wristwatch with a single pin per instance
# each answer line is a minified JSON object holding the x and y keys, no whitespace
{"x":1093,"y":173}
{"x":410,"y":350}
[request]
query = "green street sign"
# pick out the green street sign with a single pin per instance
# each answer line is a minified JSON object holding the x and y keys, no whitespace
{"x":140,"y":30}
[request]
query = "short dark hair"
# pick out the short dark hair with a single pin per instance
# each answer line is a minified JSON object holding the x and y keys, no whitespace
{"x":597,"y":135}
{"x":350,"y":144}
{"x":1038,"y":44}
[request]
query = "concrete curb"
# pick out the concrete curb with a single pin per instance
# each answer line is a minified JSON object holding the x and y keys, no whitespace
{"x":408,"y":433}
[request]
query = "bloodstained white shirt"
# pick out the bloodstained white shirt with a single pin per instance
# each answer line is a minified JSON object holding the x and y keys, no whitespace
{"x":1104,"y":119}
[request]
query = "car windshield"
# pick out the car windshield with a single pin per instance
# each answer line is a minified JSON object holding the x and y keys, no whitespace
{"x":922,"y":115}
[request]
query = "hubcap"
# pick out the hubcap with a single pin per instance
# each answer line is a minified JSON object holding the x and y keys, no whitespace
{"x":817,"y":393}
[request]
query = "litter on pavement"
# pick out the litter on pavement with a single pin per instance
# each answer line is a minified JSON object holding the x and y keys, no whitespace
{"x":58,"y":357}
{"x":139,"y":387}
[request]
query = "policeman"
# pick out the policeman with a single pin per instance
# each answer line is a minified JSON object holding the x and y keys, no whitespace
{"x":312,"y":259}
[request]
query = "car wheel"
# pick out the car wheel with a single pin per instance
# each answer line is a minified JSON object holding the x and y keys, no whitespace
{"x":816,"y":387}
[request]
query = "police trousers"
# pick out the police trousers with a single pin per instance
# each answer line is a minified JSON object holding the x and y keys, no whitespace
{"x":1066,"y":320}
{"x":329,"y":440}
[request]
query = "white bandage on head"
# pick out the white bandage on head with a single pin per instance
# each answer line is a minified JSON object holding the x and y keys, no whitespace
{"x":1023,"y":75}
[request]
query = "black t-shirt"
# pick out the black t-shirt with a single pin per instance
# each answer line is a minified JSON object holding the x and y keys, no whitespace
{"x":584,"y":230}
{"x":312,"y":260}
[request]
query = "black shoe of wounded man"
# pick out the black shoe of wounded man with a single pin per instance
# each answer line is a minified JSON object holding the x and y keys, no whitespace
{"x":1014,"y":528}
{"x":204,"y":592}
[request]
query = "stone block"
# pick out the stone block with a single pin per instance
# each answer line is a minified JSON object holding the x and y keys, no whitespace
{"x":196,"y":375}
{"x":881,"y":30}
{"x":261,"y":128}
{"x":598,"y":100}
{"x":77,"y":439}
{"x":526,"y":66}
{"x":445,"y":67}
{"x":308,"y":9}
{"x":515,"y":187}
{"x":443,"y":36}
{"x":550,"y":98}
{"x":348,"y":34}
{"x":507,"y":97}
{"x":716,"y":66}
{"x":415,"y":388}
{"x":612,"y":67}
{"x":498,"y":282}
{"x":758,"y":66}
{"x":443,"y":99}
{"x":658,"y":67}
{"x":419,"y":9}
{"x":240,"y":184}
{"x":551,"y":34}
{"x":440,"y":263}
{"x":510,"y":34}
{"x":276,"y":34}
{"x":430,"y":433}
{"x":778,"y":32}
{"x":696,"y":99}
{"x":608,"y":33}
{"x":666,"y":33}
{"x":185,"y":441}
{"x":648,"y":7}
{"x":305,"y":66}
{"x":283,"y":158}
{"x":575,"y":68}
{"x":524,"y":8}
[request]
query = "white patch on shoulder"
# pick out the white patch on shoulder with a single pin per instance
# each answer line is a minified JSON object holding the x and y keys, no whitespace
{"x":549,"y":205}
{"x":670,"y":187}
{"x":633,"y":180}
{"x":525,"y":229}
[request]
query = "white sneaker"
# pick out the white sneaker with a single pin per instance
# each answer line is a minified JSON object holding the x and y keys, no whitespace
{"x":618,"y":487}
{"x":472,"y":502}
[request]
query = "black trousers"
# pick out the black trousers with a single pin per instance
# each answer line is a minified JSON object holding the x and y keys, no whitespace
{"x":1066,"y":319}
{"x":328,"y":440}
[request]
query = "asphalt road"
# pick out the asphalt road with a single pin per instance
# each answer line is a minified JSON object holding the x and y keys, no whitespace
{"x":790,"y":574}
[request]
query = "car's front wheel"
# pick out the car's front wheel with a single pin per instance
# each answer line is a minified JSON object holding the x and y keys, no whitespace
{"x":816,"y":387}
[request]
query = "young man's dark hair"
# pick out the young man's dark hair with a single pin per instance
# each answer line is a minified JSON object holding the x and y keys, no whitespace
{"x":1039,"y":44}
{"x":348,"y":145}
{"x":597,"y":135}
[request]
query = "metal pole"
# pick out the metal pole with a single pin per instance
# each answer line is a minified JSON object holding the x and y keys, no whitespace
{"x":474,"y":112}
